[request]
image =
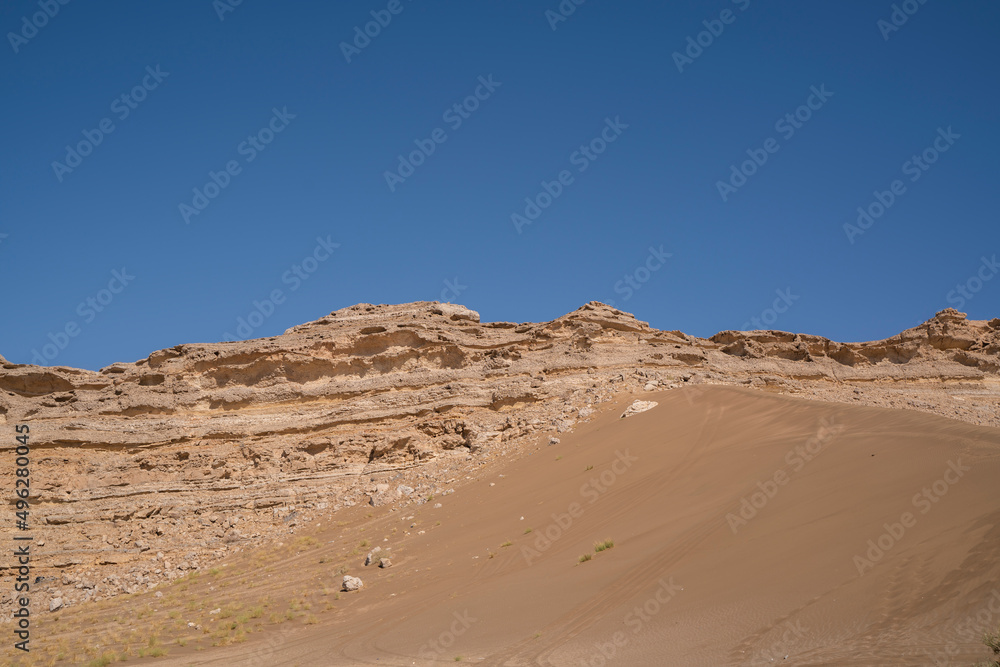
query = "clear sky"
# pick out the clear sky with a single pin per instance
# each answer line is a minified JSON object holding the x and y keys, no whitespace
{"x":169,"y":167}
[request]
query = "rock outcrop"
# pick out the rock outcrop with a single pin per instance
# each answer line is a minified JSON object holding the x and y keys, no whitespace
{"x":143,"y":471}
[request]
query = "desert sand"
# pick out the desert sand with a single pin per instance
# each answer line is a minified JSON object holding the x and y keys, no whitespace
{"x":679,"y":587}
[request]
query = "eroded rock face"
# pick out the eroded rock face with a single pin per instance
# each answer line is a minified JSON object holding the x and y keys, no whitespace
{"x":146,"y":470}
{"x":948,"y":336}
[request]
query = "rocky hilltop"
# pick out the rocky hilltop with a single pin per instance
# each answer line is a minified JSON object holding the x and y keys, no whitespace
{"x":145,"y":470}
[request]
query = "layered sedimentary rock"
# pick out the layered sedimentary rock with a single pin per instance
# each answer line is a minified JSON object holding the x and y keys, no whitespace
{"x":144,"y":470}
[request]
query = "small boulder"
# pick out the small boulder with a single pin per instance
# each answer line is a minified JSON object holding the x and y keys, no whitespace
{"x":370,"y":558}
{"x":55,"y":603}
{"x":384,"y":563}
{"x":637,"y":407}
{"x":352,"y":583}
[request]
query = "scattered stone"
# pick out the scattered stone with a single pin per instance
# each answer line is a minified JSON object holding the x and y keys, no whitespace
{"x":384,"y":563}
{"x":370,"y":558}
{"x":637,"y":407}
{"x":55,"y":603}
{"x":553,"y":440}
{"x":352,"y":583}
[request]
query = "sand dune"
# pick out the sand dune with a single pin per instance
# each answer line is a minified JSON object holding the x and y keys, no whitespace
{"x":747,"y":527}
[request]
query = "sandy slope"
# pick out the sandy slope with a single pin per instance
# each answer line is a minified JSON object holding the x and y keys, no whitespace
{"x":686,"y":582}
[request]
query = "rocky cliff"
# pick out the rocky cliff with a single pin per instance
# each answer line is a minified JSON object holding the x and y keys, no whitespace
{"x":144,"y":470}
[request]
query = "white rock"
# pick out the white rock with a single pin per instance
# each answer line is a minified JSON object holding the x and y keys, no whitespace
{"x":370,"y":558}
{"x":352,"y":583}
{"x":55,"y":603}
{"x":637,"y":407}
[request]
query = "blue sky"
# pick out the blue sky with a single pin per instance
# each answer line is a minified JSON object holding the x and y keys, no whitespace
{"x":216,"y":155}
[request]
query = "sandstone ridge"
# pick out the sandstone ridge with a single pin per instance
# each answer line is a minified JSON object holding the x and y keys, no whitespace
{"x":144,"y":470}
